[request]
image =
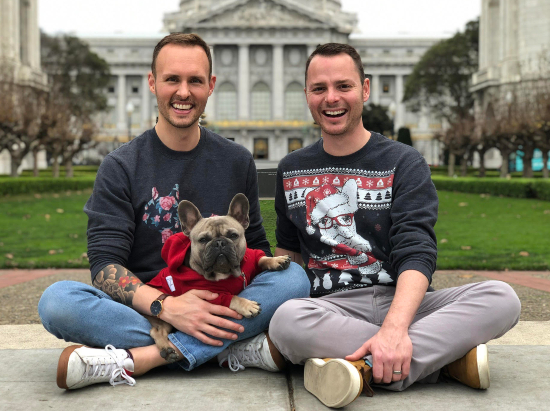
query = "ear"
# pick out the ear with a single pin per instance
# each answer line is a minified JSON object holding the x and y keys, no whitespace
{"x":189,"y":216}
{"x":350,"y":190}
{"x":366,"y":90}
{"x":151,"y":81}
{"x":239,"y":208}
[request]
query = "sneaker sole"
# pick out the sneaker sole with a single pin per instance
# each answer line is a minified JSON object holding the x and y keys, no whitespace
{"x":63,"y":365}
{"x":483,"y":367}
{"x":336,"y":383}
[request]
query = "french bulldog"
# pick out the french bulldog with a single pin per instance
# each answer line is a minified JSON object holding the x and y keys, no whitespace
{"x":218,"y":246}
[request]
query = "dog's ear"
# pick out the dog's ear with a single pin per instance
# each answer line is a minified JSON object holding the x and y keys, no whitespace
{"x":189,"y":216}
{"x":239,"y":208}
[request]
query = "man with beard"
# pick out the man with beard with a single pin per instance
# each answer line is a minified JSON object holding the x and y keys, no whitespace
{"x":359,"y":209}
{"x":133,"y":211}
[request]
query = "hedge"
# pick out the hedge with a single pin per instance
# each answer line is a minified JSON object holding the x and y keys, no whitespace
{"x":518,"y":188}
{"x":31,"y":185}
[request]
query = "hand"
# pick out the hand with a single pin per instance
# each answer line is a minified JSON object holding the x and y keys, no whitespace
{"x":391,"y":350}
{"x":192,"y":314}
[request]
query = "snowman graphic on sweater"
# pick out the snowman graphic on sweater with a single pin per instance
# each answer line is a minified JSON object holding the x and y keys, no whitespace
{"x":331,"y":212}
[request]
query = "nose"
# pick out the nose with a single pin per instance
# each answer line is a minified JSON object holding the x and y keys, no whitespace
{"x":332,"y":95}
{"x":221,"y":244}
{"x":183,"y":90}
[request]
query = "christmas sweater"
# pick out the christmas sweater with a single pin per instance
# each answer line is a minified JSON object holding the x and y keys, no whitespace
{"x":177,"y":279}
{"x":133,"y":208}
{"x":357,"y":220}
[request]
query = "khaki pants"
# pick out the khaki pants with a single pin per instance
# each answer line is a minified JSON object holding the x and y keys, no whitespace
{"x":448,"y":324}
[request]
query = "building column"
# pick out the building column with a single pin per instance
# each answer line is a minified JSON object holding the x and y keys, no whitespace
{"x":278,"y":91}
{"x":400,"y":108}
{"x":145,"y":103}
{"x":375,"y":89}
{"x":121,"y":104}
{"x":244,"y":82}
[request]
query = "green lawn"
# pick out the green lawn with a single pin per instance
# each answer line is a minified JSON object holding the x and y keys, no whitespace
{"x":474,"y":231}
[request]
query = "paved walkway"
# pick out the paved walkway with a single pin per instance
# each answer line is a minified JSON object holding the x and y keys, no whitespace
{"x":529,"y":279}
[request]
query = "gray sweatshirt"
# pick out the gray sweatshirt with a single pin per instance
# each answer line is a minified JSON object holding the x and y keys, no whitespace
{"x":133,"y":207}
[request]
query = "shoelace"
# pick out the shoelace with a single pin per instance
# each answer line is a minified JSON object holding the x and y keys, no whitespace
{"x":99,"y":368}
{"x":248,"y":355}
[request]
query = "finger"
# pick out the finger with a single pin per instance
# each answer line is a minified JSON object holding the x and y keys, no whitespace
{"x":217,"y":333}
{"x":224,"y":311}
{"x":205,"y":339}
{"x":204,"y":294}
{"x":377,"y":369}
{"x":220,"y":322}
{"x":397,"y":373}
{"x":388,"y":371}
{"x":357,"y":355}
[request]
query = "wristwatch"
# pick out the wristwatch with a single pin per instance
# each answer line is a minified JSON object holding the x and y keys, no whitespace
{"x":156,"y":306}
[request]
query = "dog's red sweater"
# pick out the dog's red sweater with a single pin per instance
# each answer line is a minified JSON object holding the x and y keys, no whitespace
{"x":177,"y":279}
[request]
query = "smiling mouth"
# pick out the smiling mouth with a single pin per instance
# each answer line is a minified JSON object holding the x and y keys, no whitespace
{"x":182,"y":106}
{"x":334,"y":113}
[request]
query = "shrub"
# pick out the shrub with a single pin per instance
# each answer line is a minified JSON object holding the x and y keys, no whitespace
{"x":518,"y":188}
{"x":31,"y":185}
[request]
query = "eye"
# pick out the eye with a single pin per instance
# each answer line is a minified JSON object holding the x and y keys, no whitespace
{"x":234,"y":236}
{"x":203,"y":240}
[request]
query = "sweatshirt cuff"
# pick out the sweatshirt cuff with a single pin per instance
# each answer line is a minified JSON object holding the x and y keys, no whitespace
{"x":417,"y":266}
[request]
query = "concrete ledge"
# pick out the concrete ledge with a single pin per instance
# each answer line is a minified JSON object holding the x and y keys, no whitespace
{"x":34,"y":336}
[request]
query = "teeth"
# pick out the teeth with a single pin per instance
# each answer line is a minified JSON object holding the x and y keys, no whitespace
{"x":182,"y":106}
{"x":335,"y":113}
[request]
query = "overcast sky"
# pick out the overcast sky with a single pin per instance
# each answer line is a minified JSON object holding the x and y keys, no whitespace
{"x":377,"y":18}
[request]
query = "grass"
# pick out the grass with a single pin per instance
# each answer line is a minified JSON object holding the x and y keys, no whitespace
{"x":474,"y":231}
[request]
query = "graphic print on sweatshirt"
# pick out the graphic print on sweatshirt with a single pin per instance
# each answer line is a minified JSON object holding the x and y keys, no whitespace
{"x":331,"y":199}
{"x":161,"y":213}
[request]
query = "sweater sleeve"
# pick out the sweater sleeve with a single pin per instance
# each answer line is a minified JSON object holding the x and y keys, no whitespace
{"x":255,"y":233}
{"x":286,"y":232}
{"x":110,"y":217}
{"x":414,"y":214}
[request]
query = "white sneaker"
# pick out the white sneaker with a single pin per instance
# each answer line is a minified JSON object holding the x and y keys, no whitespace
{"x":253,"y":352}
{"x":80,"y":366}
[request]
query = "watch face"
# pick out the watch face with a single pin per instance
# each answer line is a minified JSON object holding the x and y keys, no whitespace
{"x":156,"y":307}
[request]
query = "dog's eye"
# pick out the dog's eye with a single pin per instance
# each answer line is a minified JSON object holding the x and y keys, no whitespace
{"x":203,"y":240}
{"x":234,"y":236}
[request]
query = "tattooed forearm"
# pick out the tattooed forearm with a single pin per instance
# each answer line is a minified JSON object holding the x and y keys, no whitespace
{"x":117,"y":282}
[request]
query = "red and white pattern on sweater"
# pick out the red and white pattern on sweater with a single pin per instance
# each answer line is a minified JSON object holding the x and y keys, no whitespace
{"x":331,"y":200}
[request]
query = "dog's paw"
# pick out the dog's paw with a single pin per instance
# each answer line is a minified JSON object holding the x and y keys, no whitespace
{"x":251,"y":309}
{"x":169,"y":354}
{"x":282,"y":262}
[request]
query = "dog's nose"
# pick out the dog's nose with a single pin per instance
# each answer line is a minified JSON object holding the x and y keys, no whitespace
{"x":221,"y":243}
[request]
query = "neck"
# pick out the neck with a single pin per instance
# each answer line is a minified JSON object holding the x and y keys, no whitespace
{"x":346,"y":144}
{"x":178,"y":139}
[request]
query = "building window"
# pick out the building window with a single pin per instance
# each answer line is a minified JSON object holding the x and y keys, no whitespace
{"x":295,"y":102}
{"x":231,"y":138}
{"x":410,"y":52}
{"x":111,"y":89}
{"x":261,"y":148}
{"x":385,"y":87}
{"x":227,"y":102}
{"x":135,"y":90}
{"x":294,"y":144}
{"x":386,"y":51}
{"x":261,"y":102}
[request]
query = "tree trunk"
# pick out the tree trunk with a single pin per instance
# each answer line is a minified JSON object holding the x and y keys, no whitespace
{"x":452,"y":160}
{"x":505,"y":158}
{"x":55,"y":166}
{"x":35,"y":171}
{"x":15,"y":163}
{"x":69,"y":168}
{"x":464,"y":165}
{"x":545,"y":164}
{"x":481,"y":153}
{"x":528,"y":163}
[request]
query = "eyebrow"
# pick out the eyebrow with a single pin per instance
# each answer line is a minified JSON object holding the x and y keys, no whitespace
{"x":336,"y":82}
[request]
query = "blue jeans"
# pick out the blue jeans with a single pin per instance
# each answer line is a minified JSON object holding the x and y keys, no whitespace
{"x":80,"y":313}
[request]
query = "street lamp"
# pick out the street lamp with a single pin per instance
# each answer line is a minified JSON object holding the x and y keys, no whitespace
{"x":129,"y":111}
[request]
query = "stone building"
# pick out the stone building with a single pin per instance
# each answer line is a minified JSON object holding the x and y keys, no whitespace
{"x":20,"y":53}
{"x":514,"y":46}
{"x":259,"y":49}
